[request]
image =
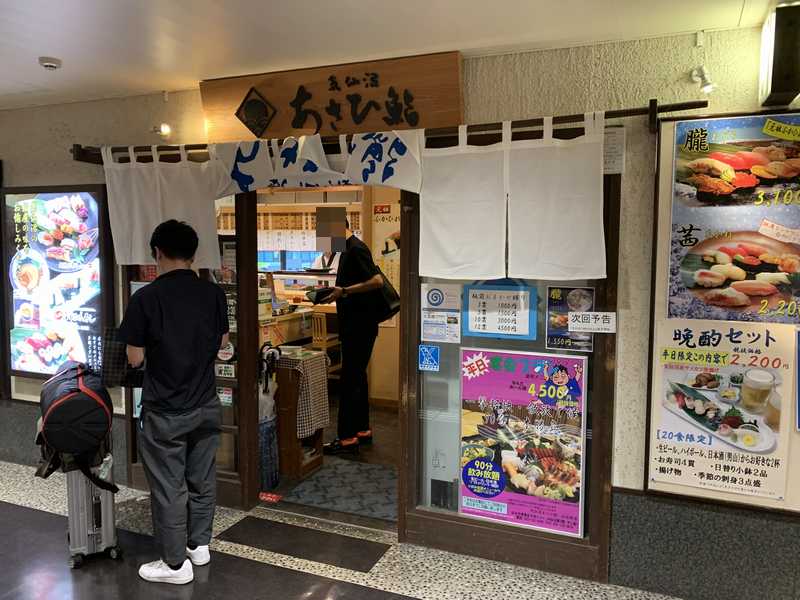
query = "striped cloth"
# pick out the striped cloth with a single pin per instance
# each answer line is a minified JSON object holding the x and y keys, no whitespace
{"x":313,"y":412}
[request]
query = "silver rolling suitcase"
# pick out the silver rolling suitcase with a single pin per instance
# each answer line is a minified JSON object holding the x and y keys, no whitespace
{"x":92,"y":524}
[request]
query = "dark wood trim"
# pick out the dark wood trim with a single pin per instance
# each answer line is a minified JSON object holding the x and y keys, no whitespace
{"x":408,"y":472}
{"x":505,"y":544}
{"x":587,"y":557}
{"x":247,"y":351}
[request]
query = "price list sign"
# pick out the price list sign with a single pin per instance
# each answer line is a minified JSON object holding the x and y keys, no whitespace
{"x":500,"y":312}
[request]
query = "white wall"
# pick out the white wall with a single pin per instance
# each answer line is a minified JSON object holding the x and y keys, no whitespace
{"x":34,"y":146}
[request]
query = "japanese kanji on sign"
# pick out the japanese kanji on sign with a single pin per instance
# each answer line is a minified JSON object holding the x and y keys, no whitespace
{"x":523,"y":436}
{"x":721,"y":407}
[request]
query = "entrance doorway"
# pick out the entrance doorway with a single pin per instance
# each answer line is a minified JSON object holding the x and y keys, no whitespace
{"x":357,"y":487}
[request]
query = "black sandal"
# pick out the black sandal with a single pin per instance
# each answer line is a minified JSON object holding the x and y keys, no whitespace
{"x":337,"y":447}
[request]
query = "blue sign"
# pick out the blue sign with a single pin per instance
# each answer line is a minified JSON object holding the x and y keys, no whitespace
{"x":483,"y":478}
{"x":502,"y":309}
{"x":429,"y":358}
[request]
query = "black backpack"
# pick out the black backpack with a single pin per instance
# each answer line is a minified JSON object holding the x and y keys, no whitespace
{"x":76,"y":410}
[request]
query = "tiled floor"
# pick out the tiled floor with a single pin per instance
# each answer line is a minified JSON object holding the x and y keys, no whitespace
{"x":33,"y":555}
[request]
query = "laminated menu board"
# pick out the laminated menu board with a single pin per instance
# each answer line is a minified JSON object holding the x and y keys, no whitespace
{"x":523,"y":437}
{"x":56,"y":264}
{"x":725,"y":311}
{"x":735,"y":220}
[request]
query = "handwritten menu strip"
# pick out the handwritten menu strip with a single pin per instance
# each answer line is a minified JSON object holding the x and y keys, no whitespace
{"x":499,"y":312}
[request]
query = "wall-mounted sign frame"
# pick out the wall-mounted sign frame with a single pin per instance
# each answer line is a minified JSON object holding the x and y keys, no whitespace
{"x":58,"y":284}
{"x":726,"y":287}
{"x":502,"y":310}
{"x":400,"y":93}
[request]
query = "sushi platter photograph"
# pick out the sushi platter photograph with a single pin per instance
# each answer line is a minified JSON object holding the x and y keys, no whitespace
{"x":54,"y":269}
{"x":735,"y":235}
{"x":523,"y":439}
{"x":721,"y":407}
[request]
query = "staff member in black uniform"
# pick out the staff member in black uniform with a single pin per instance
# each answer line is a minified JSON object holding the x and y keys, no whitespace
{"x":178,"y":323}
{"x":357,"y":283}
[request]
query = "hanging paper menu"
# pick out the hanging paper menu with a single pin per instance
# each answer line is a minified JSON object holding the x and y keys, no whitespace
{"x":54,"y":262}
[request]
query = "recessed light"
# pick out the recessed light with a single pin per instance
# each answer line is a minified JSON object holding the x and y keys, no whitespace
{"x":51,"y":63}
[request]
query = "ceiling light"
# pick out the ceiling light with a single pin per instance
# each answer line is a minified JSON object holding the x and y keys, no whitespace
{"x":51,"y":63}
{"x":164,"y":130}
{"x":700,"y":75}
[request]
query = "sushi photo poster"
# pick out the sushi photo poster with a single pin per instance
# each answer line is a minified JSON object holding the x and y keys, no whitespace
{"x":53,"y":256}
{"x":735,"y":237}
{"x":560,"y":302}
{"x":721,"y":413}
{"x":723,"y":362}
{"x":523,"y":436}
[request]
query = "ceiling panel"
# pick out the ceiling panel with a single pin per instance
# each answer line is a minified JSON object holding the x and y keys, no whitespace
{"x":127,"y":47}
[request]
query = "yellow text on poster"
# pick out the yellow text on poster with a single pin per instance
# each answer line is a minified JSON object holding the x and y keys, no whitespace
{"x":782,"y":131}
{"x":684,"y":356}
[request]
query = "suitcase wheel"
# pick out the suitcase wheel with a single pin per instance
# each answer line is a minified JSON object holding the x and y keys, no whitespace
{"x":76,"y":562}
{"x":115,"y":553}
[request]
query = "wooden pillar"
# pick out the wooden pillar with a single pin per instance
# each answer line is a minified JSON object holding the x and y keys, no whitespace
{"x":247,"y":326}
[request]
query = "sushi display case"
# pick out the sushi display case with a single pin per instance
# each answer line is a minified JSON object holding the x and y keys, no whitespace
{"x":58,"y":287}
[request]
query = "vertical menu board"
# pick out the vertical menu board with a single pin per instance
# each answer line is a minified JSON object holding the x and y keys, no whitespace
{"x":54,"y":258}
{"x":727,"y":287}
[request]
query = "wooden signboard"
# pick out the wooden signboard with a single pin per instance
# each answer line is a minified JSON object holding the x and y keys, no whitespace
{"x":399,"y":93}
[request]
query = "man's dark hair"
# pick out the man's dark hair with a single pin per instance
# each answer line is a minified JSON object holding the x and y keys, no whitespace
{"x":560,"y":368}
{"x":176,"y":240}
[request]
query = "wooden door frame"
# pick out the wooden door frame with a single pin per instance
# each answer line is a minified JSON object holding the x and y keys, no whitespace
{"x":587,"y":558}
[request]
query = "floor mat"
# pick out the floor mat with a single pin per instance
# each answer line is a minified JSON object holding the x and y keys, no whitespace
{"x":350,"y":487}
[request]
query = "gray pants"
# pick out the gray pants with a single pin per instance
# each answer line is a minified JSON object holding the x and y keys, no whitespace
{"x":179,"y":454}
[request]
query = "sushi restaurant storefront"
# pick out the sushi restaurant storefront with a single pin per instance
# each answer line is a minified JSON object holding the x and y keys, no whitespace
{"x":507,"y":358}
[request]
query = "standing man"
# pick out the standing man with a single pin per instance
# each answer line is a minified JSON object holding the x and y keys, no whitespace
{"x":176,"y":325}
{"x":357,"y":283}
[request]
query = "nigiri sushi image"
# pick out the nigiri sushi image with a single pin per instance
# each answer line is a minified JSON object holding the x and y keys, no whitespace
{"x":774,"y":153}
{"x":69,"y":244}
{"x":709,"y":279}
{"x":45,"y":239}
{"x":730,"y":271}
{"x":752,"y":159}
{"x":789,"y":263}
{"x":753,"y":249}
{"x":781,"y":169}
{"x":734,"y":160}
{"x":774,"y":278}
{"x":713,"y":167}
{"x":754,"y":288}
{"x":727,"y":297}
{"x":85,"y":242}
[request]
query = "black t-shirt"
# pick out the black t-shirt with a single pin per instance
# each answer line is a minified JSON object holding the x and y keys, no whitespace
{"x":356,"y":266}
{"x":179,"y":320}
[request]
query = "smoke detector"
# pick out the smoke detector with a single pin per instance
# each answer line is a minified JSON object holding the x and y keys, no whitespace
{"x":50,"y":63}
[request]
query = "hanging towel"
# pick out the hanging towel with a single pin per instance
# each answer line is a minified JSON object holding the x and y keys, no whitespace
{"x":555,"y":205}
{"x":463,"y":212}
{"x":386,"y":158}
{"x":143,"y":195}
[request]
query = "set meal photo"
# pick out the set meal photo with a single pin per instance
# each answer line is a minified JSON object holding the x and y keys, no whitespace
{"x":740,"y":407}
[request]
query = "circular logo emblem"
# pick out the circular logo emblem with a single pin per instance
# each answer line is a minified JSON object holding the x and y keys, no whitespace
{"x":435,"y":297}
{"x":226,"y":353}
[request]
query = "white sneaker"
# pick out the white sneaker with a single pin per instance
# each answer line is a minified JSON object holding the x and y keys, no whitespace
{"x":199,"y":556}
{"x":159,"y":572}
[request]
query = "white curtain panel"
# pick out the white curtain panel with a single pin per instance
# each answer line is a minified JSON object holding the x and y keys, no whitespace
{"x":143,"y":195}
{"x":463,"y":212}
{"x":555,"y":205}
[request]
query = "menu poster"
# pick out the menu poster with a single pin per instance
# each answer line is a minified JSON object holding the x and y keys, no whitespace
{"x":523,"y":434}
{"x":560,"y":302}
{"x":721,"y":406}
{"x":735,"y":235}
{"x":53,"y":265}
{"x":499,"y":311}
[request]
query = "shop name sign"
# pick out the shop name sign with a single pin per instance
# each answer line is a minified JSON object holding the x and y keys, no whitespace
{"x":403,"y":93}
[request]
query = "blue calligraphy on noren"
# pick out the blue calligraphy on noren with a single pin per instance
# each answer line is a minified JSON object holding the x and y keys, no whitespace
{"x":380,"y":149}
{"x":243,"y":180}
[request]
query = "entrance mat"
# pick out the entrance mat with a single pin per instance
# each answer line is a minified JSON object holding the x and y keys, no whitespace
{"x":350,"y":487}
{"x":309,"y":544}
